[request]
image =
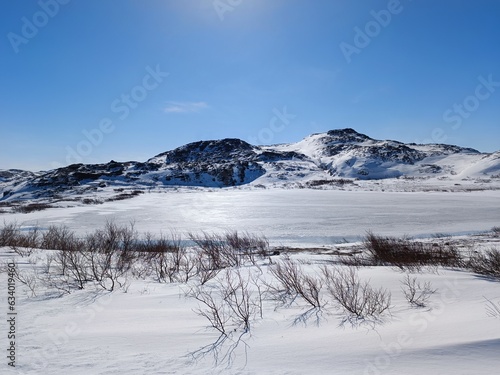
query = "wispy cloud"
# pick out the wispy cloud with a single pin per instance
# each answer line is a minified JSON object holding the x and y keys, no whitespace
{"x":185,"y":107}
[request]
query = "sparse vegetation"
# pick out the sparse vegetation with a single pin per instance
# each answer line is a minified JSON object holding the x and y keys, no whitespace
{"x":230,"y":249}
{"x":232,"y":276}
{"x":106,"y":257}
{"x":333,"y":182}
{"x":485,"y":263}
{"x":410,"y":255}
{"x":31,"y":207}
{"x":416,"y":294}
{"x":357,"y":299}
{"x":123,"y":196}
{"x":496,"y":231}
{"x":90,"y":201}
{"x":293,"y":283}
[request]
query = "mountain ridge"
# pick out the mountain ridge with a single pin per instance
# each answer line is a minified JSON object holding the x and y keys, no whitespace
{"x":232,"y":162}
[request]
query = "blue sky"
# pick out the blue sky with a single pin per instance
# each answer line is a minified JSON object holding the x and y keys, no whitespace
{"x":95,"y":80}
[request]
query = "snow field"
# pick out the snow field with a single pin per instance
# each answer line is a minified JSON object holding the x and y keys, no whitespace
{"x":153,"y":328}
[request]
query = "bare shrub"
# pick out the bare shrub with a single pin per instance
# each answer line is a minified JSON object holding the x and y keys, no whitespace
{"x":358,"y":300}
{"x":231,"y":304}
{"x":230,"y":309}
{"x":73,"y":267}
{"x":59,"y":238}
{"x":496,"y":231}
{"x":27,"y":278}
{"x":105,"y":267}
{"x":123,"y":196}
{"x":293,"y":283}
{"x":230,"y":249}
{"x":167,"y":259}
{"x":91,"y":201}
{"x":236,"y":295}
{"x":32,"y":207}
{"x":410,"y":255}
{"x":162,"y":268}
{"x":21,"y":241}
{"x":416,"y":294}
{"x":248,"y":245}
{"x":218,"y":252}
{"x":485,"y":263}
{"x":47,"y":262}
{"x":187,"y":267}
{"x":150,"y":244}
{"x":203,"y":269}
{"x":9,"y":234}
{"x":212,"y":308}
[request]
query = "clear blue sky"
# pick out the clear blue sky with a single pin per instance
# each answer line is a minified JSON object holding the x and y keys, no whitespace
{"x":145,"y":76}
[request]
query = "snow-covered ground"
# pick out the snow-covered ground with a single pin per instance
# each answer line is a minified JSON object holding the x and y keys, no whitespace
{"x":291,"y":217}
{"x":152,"y":328}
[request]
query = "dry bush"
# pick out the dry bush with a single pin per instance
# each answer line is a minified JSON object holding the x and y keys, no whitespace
{"x":485,"y":263}
{"x":416,"y":294}
{"x":230,"y":305}
{"x":230,"y":308}
{"x":91,"y":201}
{"x":230,"y":249}
{"x":9,"y":234}
{"x":59,"y":238}
{"x":150,"y":244}
{"x":123,"y":196}
{"x":358,"y":300}
{"x":168,"y":258}
{"x":496,"y":231}
{"x":410,"y":255}
{"x":238,"y":298}
{"x":212,"y":308}
{"x":30,"y":279}
{"x":216,"y":249}
{"x":73,"y":267}
{"x":248,"y":245}
{"x":104,"y":256}
{"x":204,"y":272}
{"x":21,"y":241}
{"x":32,"y":207}
{"x":293,"y":283}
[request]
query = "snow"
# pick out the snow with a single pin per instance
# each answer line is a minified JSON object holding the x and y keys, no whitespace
{"x":332,"y":156}
{"x":292,"y":217}
{"x":152,"y":328}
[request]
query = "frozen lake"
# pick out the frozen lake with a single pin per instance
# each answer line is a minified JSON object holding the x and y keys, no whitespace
{"x":288,"y":216}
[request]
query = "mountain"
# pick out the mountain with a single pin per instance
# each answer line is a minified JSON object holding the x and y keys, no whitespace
{"x":319,"y":159}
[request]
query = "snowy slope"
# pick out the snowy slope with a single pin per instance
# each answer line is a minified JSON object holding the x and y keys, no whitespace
{"x":151,"y":327}
{"x":313,"y":161}
{"x":346,"y":153}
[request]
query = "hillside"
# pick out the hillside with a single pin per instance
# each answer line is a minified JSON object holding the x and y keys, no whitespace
{"x":325,"y":159}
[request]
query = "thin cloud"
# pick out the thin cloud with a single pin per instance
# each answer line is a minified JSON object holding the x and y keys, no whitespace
{"x":185,"y":107}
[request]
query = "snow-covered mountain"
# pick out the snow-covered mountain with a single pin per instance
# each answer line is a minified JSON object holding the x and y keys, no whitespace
{"x":316,"y":160}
